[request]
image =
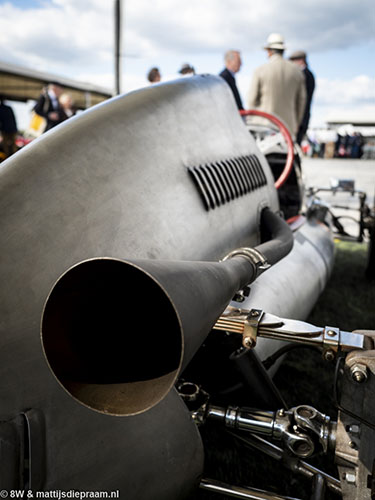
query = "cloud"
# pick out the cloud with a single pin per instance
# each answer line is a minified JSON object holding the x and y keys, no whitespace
{"x":106,"y":80}
{"x":75,"y":38}
{"x":344,"y":98}
{"x":210,"y":25}
{"x":81,"y":31}
{"x":58,"y":34}
{"x":356,"y":91}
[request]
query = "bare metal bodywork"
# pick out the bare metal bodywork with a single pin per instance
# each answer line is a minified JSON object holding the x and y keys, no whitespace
{"x":165,"y":173}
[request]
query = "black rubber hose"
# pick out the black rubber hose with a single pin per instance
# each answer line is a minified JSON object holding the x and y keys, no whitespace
{"x":280,"y":237}
{"x":271,"y":360}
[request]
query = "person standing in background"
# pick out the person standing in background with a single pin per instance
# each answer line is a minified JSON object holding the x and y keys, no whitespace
{"x":278,"y":87}
{"x":8,"y":129}
{"x":300,"y":58}
{"x":232,"y":59}
{"x":186,"y":70}
{"x":66,"y":103}
{"x":48,"y":105}
{"x":154,"y":76}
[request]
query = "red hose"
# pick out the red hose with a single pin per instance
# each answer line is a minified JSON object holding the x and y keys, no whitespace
{"x":288,"y":139}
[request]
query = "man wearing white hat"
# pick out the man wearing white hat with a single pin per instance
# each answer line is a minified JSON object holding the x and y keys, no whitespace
{"x":278,"y":87}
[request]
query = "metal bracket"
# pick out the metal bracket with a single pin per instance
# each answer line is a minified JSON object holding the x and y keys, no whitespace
{"x":331,"y":342}
{"x":251,"y":326}
{"x":256,"y":323}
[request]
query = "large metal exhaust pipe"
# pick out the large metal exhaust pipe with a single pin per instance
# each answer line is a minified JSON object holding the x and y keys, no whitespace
{"x":117,"y":333}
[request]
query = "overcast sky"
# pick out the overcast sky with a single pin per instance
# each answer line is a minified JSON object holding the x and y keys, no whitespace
{"x":75,"y":39}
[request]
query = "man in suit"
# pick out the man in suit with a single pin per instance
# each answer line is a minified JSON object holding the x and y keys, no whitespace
{"x":278,"y":87}
{"x":232,"y":59}
{"x":299,"y":57}
{"x":48,"y":105}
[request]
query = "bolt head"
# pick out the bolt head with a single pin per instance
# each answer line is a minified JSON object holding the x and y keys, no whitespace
{"x":248,"y":342}
{"x":359,"y":373}
{"x":329,"y":355}
{"x":350,"y":478}
{"x":358,"y":377}
{"x":354,"y":429}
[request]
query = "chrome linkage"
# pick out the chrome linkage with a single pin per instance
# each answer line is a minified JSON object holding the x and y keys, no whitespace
{"x":257,"y":323}
{"x":302,"y":429}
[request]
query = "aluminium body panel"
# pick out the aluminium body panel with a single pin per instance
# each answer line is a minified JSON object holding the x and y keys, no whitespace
{"x":114,"y":181}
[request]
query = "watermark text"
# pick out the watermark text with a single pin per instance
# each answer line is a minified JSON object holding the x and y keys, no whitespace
{"x":59,"y":494}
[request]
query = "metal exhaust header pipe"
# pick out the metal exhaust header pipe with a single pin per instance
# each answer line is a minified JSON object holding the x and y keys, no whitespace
{"x":116,"y":334}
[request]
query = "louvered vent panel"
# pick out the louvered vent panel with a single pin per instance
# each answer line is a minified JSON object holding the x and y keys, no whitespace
{"x":225,"y":180}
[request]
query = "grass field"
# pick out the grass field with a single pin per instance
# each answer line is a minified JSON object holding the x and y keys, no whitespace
{"x":349,"y":298}
{"x":348,"y":302}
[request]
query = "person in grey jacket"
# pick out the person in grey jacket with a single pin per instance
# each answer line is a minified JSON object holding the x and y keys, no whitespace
{"x":278,"y":87}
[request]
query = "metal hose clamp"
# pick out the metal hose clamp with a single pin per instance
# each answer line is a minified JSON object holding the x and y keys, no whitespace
{"x":256,"y":258}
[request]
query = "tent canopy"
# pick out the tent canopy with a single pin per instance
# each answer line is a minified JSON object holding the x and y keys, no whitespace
{"x":21,"y":84}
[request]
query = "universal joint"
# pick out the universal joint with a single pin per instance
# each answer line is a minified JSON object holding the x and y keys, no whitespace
{"x":301,"y":429}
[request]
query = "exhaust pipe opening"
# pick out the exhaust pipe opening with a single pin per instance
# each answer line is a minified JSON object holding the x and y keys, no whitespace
{"x":112,"y":336}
